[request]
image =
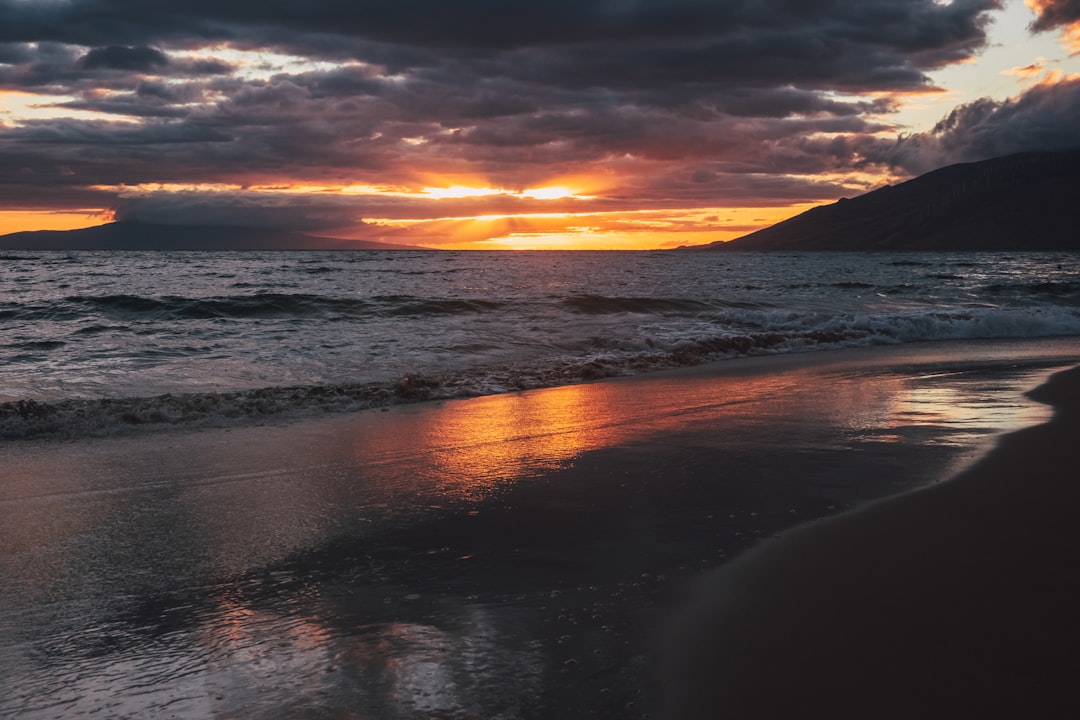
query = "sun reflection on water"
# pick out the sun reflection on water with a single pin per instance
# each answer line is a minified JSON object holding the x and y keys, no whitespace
{"x":951,"y":408}
{"x":492,"y":440}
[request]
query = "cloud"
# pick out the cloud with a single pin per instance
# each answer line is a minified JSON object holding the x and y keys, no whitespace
{"x":44,"y":67}
{"x":872,"y":43}
{"x":1042,"y":118}
{"x":238,"y":209}
{"x":1051,"y":14}
{"x":1058,"y":14}
{"x":117,"y":57}
{"x":15,"y":53}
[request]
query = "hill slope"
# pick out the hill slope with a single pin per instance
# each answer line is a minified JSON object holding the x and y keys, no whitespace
{"x":1027,"y":201}
{"x":145,"y":236}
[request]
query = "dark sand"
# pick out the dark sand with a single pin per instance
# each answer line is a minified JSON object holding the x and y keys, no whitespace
{"x":961,"y":600}
{"x":517,"y":556}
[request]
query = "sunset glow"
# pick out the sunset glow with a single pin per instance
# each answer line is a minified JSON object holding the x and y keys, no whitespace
{"x":21,"y":221}
{"x":484,"y":131}
{"x":460,"y":192}
{"x":1061,"y":15}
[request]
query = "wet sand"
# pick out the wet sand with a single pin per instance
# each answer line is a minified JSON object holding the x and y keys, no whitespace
{"x":513,"y":556}
{"x":957,"y":600}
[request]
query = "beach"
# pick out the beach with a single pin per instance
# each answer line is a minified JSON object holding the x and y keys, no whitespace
{"x":956,"y":600}
{"x":566,"y":552}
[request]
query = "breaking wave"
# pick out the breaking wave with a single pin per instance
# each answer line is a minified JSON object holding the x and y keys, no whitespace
{"x":131,"y":343}
{"x":765,"y":332}
{"x":263,"y":305}
{"x":603,"y":305}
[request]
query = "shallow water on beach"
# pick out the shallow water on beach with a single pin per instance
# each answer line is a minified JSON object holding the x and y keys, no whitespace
{"x":109,"y":343}
{"x":508,"y":556}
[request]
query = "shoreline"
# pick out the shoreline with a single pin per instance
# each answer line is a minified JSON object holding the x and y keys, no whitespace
{"x":952,"y":600}
{"x":162,"y":415}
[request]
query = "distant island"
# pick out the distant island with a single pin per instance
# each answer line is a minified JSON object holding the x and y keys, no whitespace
{"x":1027,"y":201}
{"x":149,"y":236}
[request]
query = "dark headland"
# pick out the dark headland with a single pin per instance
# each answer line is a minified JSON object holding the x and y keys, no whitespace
{"x":148,"y":236}
{"x":1018,"y":202}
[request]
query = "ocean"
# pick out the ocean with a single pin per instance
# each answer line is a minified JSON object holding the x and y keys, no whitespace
{"x":99,"y":343}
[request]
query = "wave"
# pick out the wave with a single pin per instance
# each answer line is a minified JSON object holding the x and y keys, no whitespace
{"x":603,"y":305}
{"x":128,"y":308}
{"x":1046,"y":288}
{"x":38,"y":345}
{"x":763,"y":332}
{"x":399,"y":305}
{"x":851,"y":285}
{"x":262,"y":305}
{"x":73,"y":418}
{"x":70,"y":419}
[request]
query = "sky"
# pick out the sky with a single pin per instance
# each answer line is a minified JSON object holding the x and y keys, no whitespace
{"x":493,"y":124}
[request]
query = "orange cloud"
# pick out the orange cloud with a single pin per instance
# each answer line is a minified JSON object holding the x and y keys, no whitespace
{"x":1058,"y":14}
{"x":1027,"y":71}
{"x":1071,"y":38}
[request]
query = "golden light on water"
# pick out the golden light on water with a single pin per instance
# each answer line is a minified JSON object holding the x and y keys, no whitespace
{"x":490,"y":441}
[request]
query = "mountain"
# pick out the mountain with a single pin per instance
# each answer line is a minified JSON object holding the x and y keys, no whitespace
{"x":146,"y":236}
{"x":1027,"y":201}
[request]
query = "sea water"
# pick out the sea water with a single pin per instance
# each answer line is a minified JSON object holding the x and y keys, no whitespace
{"x":106,"y":342}
{"x":510,"y":556}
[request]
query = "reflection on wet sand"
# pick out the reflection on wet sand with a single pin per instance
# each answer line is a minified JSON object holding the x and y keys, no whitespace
{"x":959,"y":408}
{"x":501,"y":556}
{"x":479,"y":445}
{"x":65,"y":505}
{"x":428,"y":671}
{"x":267,"y":663}
{"x":966,"y":406}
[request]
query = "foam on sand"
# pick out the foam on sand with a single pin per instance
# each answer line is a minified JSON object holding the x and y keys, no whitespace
{"x":957,"y":600}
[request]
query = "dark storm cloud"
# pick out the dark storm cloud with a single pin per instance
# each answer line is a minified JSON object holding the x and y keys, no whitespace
{"x":1043,"y":118}
{"x":48,"y":160}
{"x":787,"y":101}
{"x":118,"y":57}
{"x":60,"y":69}
{"x":16,"y":53}
{"x":295,"y":213}
{"x":202,"y":67}
{"x":864,"y":43}
{"x":104,"y":134}
{"x":651,"y":52}
{"x":1056,"y":13}
{"x":646,"y":133}
{"x":43,"y":67}
{"x":136,"y":105}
